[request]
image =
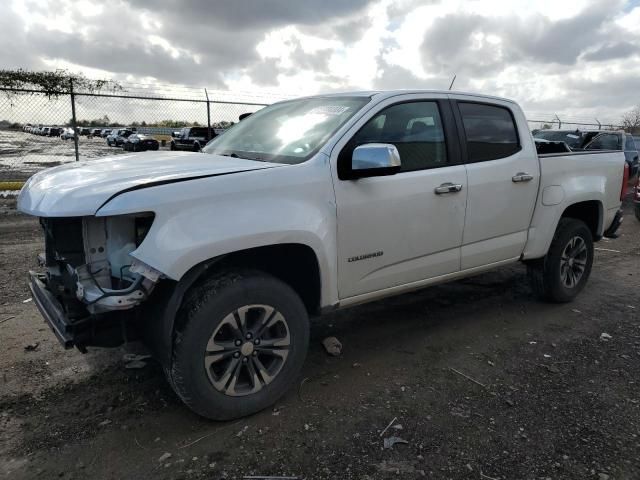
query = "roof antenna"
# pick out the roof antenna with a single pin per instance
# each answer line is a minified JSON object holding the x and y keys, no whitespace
{"x":452,"y":80}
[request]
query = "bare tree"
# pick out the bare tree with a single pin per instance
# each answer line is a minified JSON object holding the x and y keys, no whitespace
{"x":631,"y":120}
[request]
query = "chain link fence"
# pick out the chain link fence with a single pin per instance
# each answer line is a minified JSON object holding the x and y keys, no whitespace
{"x":39,"y":131}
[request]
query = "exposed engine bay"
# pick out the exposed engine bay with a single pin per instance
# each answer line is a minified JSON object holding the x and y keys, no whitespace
{"x":89,"y":269}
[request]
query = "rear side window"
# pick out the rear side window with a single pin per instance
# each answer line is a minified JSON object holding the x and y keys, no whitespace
{"x":490,"y":130}
{"x":606,"y":141}
{"x":198,"y":132}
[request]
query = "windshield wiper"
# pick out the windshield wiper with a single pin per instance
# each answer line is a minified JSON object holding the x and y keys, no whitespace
{"x":235,"y":155}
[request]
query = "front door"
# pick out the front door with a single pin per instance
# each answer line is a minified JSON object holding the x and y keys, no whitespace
{"x":398,"y":229}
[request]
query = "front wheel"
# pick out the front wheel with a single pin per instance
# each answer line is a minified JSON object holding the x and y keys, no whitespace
{"x":241,"y":340}
{"x":564,"y":271}
{"x":637,"y":210}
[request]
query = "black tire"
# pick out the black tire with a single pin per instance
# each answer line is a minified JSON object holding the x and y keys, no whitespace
{"x":637,"y":211}
{"x":545,"y":274}
{"x":204,"y":313}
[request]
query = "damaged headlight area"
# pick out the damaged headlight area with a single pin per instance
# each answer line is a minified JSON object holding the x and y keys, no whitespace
{"x":89,"y":266}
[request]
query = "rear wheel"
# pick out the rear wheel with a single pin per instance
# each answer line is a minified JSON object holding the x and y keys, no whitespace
{"x":637,"y":210}
{"x":240,"y":345}
{"x":564,"y":271}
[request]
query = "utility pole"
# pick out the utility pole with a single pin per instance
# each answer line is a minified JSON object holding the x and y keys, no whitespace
{"x":73,"y":120}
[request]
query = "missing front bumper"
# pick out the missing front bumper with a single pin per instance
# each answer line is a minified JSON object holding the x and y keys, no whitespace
{"x":51,"y":310}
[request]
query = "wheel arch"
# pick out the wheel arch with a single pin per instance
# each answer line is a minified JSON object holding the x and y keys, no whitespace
{"x":591,"y":212}
{"x":295,"y":264}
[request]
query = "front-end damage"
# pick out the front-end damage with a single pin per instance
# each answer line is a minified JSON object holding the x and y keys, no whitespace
{"x":91,"y":283}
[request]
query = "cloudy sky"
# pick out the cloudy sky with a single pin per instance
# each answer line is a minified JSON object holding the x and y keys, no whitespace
{"x":579,"y":58}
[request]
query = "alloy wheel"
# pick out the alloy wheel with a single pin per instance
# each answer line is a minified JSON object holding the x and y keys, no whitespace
{"x":573,"y":261}
{"x":247,"y":350}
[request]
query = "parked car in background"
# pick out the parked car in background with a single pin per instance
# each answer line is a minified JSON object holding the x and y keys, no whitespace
{"x":217,"y":259}
{"x":117,"y":137}
{"x":54,"y":131}
{"x":138,"y":142}
{"x":84,"y":132}
{"x":66,"y":134}
{"x":95,"y":132}
{"x":595,"y":140}
{"x":105,"y":132}
{"x":192,"y":139}
{"x":617,"y":140}
{"x":45,"y":131}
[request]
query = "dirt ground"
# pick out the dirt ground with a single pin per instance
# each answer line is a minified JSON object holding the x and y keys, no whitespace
{"x":480,"y":379}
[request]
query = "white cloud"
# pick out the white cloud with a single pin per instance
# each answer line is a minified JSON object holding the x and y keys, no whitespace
{"x":551,"y":55}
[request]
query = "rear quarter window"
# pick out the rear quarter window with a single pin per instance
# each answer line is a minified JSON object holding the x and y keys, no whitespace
{"x":490,"y":131}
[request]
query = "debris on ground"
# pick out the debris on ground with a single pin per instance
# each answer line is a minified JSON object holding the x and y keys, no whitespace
{"x":399,"y":467}
{"x":164,"y":457}
{"x":32,"y":347}
{"x":27,"y":300}
{"x":135,"y":362}
{"x":7,"y":319}
{"x":467,"y":377}
{"x":604,"y":336}
{"x":104,"y":423}
{"x":388,"y":426}
{"x":552,"y":368}
{"x":332,"y":345}
{"x":244,"y":429}
{"x":389,"y":442}
{"x":267,"y":477}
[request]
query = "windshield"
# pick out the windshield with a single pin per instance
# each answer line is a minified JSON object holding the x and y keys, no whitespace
{"x":573,"y":139}
{"x":287,"y":132}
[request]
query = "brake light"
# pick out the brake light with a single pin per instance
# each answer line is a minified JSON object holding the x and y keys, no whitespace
{"x":625,"y":180}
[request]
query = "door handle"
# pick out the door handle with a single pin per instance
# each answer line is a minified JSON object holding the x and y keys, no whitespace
{"x":448,"y":188}
{"x":521,"y":177}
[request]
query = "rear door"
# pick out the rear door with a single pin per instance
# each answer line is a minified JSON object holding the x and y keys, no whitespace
{"x":398,"y":229}
{"x":503,"y":174}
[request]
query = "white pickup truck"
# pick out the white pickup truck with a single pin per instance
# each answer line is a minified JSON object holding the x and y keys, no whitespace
{"x":217,"y":259}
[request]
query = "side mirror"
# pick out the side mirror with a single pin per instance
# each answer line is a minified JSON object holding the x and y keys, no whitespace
{"x":375,"y":159}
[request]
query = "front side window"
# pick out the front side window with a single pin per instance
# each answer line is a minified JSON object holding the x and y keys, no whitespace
{"x":606,"y":141}
{"x":414,"y":128}
{"x":287,"y":132}
{"x":490,"y":130}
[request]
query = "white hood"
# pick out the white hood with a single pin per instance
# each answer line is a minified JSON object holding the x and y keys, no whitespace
{"x":80,"y":188}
